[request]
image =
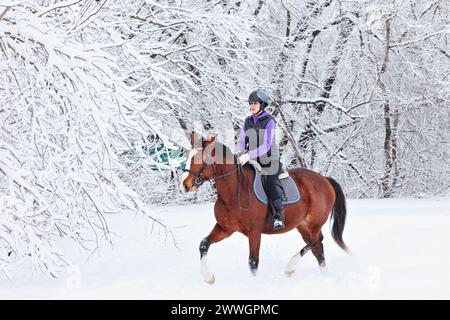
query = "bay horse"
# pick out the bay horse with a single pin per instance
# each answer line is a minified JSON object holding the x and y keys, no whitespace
{"x":320,"y":196}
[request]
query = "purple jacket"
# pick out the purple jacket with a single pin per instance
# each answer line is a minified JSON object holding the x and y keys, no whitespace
{"x":268,"y":137}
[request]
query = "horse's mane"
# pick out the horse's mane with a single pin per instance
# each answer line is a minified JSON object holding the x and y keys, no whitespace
{"x":225,"y":150}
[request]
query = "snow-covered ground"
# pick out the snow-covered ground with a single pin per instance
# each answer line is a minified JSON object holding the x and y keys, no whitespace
{"x":399,"y":250}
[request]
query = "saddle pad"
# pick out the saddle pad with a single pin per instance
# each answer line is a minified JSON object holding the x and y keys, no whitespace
{"x":292,"y":195}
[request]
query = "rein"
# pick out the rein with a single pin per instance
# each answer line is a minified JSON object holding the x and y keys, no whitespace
{"x":199,"y":180}
{"x":241,"y":168}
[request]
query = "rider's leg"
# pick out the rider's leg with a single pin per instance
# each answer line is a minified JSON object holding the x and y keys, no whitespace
{"x":275,"y":198}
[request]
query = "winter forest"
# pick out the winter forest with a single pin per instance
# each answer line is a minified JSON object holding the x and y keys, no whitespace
{"x":99,"y":97}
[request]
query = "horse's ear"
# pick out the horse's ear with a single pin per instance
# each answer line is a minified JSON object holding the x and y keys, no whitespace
{"x":195,"y":140}
{"x":193,"y":137}
{"x":209,"y":146}
{"x":210,"y":141}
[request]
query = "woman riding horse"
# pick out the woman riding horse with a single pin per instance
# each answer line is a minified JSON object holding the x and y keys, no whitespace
{"x":320,"y":196}
{"x":256,"y":142}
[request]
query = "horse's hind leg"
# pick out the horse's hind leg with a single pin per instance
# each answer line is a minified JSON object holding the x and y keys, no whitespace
{"x":217,"y":234}
{"x":313,"y":242}
{"x":317,"y":250}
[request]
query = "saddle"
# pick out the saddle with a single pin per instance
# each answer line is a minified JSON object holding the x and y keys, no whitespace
{"x":291,"y":193}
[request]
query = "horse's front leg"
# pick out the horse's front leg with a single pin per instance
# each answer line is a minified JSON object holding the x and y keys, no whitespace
{"x":254,"y":240}
{"x":217,"y":234}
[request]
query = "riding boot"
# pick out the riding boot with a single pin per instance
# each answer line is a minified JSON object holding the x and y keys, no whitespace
{"x":278,"y":214}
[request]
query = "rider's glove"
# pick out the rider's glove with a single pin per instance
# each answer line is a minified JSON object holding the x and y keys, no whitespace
{"x":243,"y":158}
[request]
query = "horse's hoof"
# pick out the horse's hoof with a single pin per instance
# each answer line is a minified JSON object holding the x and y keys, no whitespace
{"x":211,"y":279}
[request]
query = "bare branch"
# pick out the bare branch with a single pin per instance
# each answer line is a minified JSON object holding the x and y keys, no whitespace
{"x":4,"y":12}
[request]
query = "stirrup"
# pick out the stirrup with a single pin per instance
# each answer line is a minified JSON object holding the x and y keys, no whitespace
{"x":277,"y":224}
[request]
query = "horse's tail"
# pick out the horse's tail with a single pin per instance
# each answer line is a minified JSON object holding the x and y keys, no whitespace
{"x":338,"y":214}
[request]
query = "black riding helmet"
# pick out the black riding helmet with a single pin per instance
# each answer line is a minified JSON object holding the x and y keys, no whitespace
{"x":260,"y":96}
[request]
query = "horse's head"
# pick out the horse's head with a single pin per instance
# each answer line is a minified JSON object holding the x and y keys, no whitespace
{"x":199,"y":165}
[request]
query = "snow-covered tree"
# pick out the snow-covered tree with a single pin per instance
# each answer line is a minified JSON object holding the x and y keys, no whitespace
{"x":68,"y":111}
{"x":356,"y":85}
{"x":97,"y":97}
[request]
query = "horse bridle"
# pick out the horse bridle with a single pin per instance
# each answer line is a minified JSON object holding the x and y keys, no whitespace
{"x":199,"y":180}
